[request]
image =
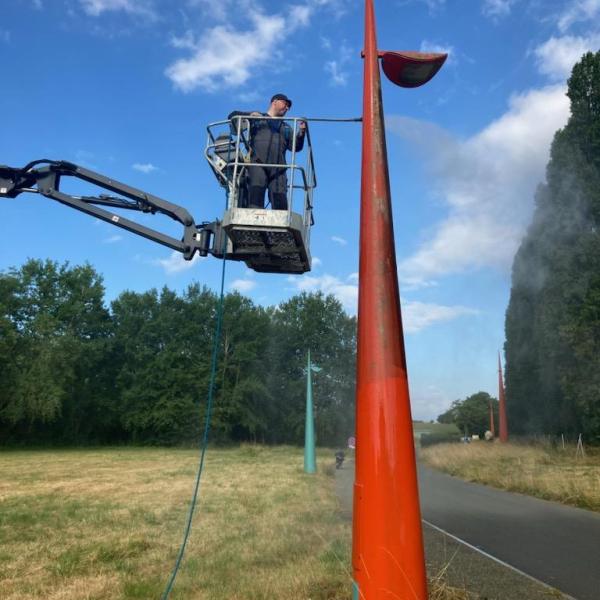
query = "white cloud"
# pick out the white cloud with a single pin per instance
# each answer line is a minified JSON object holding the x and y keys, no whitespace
{"x":577,"y":11}
{"x":429,"y":46}
{"x":335,"y":67}
{"x":219,"y":11}
{"x":345,"y":292}
{"x":141,"y":8}
{"x":337,"y":7}
{"x":487,"y":181}
{"x":175,"y":263}
{"x":412,"y":283}
{"x":249,"y":97}
{"x":184,"y":42}
{"x":300,"y":14}
{"x":243,"y":285}
{"x":420,"y":315}
{"x":433,"y":6}
{"x":416,"y":315}
{"x":497,"y":8}
{"x":113,"y":239}
{"x":338,"y":77}
{"x":556,"y":57}
{"x":338,"y":240}
{"x":225,"y":57}
{"x":428,"y":403}
{"x":144,"y":167}
{"x":316,"y":262}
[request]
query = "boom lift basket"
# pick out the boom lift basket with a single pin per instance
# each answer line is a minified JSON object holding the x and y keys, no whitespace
{"x":267,"y":240}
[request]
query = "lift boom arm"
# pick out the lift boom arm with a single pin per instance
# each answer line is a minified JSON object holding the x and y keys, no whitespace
{"x":46,"y":180}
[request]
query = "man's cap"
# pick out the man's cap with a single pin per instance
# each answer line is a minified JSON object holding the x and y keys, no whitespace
{"x":282,"y":97}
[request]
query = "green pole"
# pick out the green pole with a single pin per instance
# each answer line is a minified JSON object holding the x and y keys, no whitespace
{"x":310,"y":464}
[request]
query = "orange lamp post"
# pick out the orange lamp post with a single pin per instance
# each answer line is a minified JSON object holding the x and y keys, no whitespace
{"x":503,"y":435}
{"x":387,"y":545}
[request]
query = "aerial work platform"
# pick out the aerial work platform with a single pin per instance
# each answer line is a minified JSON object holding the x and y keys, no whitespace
{"x":267,"y":240}
{"x":272,"y":241}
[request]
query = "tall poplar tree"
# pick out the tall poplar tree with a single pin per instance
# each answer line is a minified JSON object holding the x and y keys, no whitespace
{"x":553,"y":317}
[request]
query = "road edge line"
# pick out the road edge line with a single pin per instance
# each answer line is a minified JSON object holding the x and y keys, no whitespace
{"x":495,"y":559}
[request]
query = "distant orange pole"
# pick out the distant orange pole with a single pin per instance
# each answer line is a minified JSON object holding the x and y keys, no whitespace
{"x":492,"y":427}
{"x":387,"y":544}
{"x":502,"y":405}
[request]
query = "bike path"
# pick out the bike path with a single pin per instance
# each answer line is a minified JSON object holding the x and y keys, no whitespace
{"x":478,"y":516}
{"x":558,"y":545}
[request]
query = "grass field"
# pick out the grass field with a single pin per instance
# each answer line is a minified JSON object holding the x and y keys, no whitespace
{"x":541,"y":471}
{"x":98,"y":524}
{"x":420,"y":427}
{"x":434,"y":430}
{"x":107,"y":523}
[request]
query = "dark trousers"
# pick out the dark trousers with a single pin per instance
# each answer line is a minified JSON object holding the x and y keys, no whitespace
{"x":263,"y":178}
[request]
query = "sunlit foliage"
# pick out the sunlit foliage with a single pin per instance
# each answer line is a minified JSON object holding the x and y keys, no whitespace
{"x":74,"y":372}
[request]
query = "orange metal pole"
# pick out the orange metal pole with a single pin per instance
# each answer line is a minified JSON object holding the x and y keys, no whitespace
{"x":502,"y":405}
{"x":492,"y":427}
{"x":387,"y":546}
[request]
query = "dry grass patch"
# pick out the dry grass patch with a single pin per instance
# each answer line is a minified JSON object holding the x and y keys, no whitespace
{"x":439,"y":589}
{"x":107,"y":524}
{"x":544,"y":472}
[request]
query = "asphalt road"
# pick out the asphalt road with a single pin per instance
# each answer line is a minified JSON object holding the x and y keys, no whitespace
{"x":459,"y":565}
{"x":555,"y":544}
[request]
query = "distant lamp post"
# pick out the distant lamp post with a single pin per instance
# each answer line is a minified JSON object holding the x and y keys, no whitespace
{"x":502,"y":405}
{"x":387,"y":540}
{"x":310,"y":462}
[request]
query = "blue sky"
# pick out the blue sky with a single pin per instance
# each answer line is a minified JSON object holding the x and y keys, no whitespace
{"x":126,"y":87}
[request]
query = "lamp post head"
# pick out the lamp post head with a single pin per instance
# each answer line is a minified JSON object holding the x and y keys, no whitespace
{"x":411,"y":69}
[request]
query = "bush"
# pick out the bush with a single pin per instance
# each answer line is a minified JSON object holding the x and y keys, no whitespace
{"x":430,"y":439}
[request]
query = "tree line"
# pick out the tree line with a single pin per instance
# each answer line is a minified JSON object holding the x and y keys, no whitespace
{"x":76,"y":371}
{"x":553,"y":318}
{"x":472,"y":414}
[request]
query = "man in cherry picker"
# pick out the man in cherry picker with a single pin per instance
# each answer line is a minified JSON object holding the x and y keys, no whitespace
{"x":269,"y":140}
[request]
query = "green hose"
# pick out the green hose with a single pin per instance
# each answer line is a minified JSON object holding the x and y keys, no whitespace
{"x":211,"y":387}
